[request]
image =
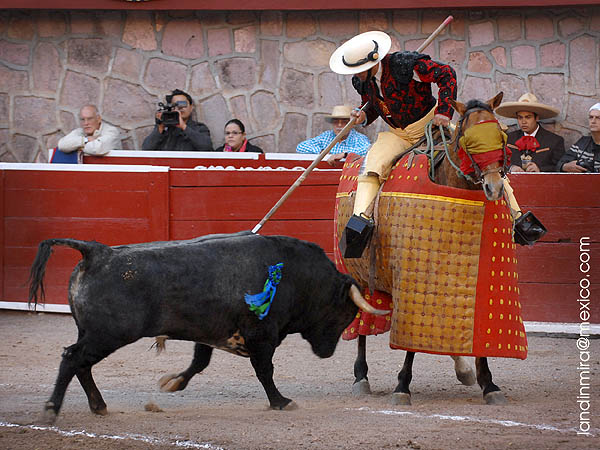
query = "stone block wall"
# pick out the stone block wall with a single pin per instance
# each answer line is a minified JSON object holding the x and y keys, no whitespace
{"x":269,"y":69}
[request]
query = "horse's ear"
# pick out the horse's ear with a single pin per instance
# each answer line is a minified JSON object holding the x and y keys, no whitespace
{"x":495,"y":101}
{"x":458,"y":106}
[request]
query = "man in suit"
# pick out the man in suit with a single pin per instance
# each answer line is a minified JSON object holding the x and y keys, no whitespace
{"x":534,"y":149}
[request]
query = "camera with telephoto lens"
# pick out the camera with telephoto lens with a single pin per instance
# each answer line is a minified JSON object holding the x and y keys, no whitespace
{"x":169,"y":116}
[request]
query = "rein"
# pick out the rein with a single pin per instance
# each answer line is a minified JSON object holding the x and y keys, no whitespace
{"x":434,"y":155}
{"x":479,"y":174}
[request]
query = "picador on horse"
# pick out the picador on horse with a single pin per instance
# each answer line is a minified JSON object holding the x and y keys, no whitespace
{"x":429,"y":231}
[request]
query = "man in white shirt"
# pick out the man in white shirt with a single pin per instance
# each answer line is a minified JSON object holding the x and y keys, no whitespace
{"x":94,"y":137}
{"x":352,"y":142}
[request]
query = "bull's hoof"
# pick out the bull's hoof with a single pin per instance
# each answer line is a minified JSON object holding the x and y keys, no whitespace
{"x":170,"y":382}
{"x":401,"y":398}
{"x":49,"y":414}
{"x":467,"y":377}
{"x":495,"y":398}
{"x":361,"y":388}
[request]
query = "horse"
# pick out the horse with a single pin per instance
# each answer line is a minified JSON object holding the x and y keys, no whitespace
{"x":471,"y":175}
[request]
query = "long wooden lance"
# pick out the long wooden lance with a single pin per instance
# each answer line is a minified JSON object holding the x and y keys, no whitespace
{"x":340,"y":136}
{"x":337,"y":139}
{"x":433,"y":35}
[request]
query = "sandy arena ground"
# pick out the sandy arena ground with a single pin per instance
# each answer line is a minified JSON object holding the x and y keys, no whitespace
{"x":226,"y":407}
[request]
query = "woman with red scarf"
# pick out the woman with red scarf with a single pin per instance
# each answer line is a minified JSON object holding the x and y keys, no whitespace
{"x":235,"y":139}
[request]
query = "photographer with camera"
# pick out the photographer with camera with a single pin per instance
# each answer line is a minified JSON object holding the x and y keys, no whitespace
{"x":175,"y":130}
{"x":584,"y":155}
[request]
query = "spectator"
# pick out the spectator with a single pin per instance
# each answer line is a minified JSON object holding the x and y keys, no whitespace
{"x":235,"y":139}
{"x":93,"y":138}
{"x":398,"y":88}
{"x":353,"y":141}
{"x":534,"y":149}
{"x":187,"y":135}
{"x":584,"y":155}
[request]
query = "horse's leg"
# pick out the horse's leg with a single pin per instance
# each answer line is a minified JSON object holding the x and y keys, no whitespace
{"x":361,"y":382}
{"x":401,"y":395}
{"x":178,"y":381}
{"x":491,"y":393}
{"x":464,"y":372}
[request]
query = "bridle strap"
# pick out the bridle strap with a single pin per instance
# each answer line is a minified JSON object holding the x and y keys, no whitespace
{"x":479,"y":174}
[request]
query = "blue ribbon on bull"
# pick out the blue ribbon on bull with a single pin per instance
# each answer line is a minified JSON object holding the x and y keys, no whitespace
{"x":261,"y":303}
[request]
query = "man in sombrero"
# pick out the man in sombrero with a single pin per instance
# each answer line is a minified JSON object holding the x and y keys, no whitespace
{"x":351,"y":142}
{"x":534,"y":149}
{"x":398,"y":89}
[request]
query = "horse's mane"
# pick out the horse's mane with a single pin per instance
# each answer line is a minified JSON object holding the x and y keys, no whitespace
{"x":477,"y":104}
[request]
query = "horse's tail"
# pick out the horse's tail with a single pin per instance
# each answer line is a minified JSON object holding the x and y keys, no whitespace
{"x":38,"y":269}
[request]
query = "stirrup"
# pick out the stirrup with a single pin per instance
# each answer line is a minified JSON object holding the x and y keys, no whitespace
{"x":528,"y":229}
{"x":356,"y":236}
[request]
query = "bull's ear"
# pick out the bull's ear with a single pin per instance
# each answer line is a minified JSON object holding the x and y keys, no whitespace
{"x":494,"y":102}
{"x":458,"y":106}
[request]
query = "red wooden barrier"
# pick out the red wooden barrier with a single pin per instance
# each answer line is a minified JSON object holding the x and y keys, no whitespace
{"x":110,"y":204}
{"x":189,"y":160}
{"x":118,"y":204}
{"x":213,"y":201}
{"x":549,"y":274}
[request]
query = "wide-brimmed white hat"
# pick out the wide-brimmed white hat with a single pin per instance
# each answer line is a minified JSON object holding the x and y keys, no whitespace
{"x":360,"y":53}
{"x":527,"y":102}
{"x":339,"y":112}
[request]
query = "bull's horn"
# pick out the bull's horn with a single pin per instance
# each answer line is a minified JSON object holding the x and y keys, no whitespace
{"x":360,"y":301}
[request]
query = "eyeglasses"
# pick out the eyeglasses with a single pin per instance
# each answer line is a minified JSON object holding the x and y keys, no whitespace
{"x":232,"y":133}
{"x":182,"y":104}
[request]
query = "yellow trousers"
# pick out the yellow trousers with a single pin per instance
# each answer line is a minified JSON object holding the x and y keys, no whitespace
{"x":378,"y":162}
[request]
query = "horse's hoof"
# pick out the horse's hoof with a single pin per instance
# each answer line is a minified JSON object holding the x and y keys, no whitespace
{"x":101,"y":411}
{"x":467,"y":378}
{"x":170,"y":382}
{"x":285,"y":405}
{"x":361,"y":388}
{"x":48,"y":415}
{"x":495,"y":398}
{"x":291,"y":406}
{"x":401,"y":398}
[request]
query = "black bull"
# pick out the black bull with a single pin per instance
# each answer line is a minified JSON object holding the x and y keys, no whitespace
{"x":194,"y":290}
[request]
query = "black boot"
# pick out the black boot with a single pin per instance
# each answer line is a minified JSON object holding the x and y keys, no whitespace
{"x":528,"y":229}
{"x":355,"y":236}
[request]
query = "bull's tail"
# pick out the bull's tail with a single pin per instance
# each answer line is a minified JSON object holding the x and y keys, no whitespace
{"x":38,"y":269}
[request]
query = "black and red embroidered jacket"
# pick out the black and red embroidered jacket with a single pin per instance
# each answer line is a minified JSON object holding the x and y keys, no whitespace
{"x":403,"y":100}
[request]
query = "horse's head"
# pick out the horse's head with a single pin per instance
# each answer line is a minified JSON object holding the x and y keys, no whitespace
{"x":481,"y":145}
